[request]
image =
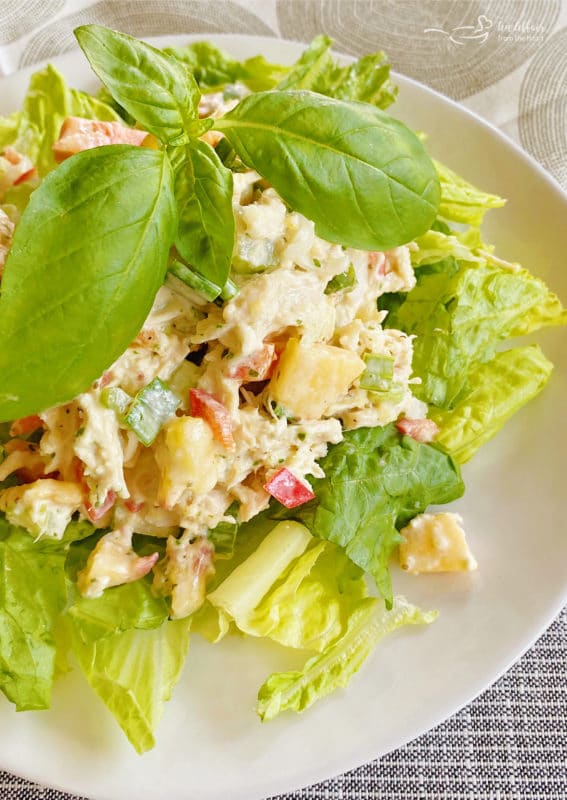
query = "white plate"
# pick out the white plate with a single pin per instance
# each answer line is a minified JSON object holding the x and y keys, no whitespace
{"x":210,"y":744}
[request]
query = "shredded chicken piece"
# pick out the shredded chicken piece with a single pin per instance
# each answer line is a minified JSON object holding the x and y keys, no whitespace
{"x":183,"y":574}
{"x":113,"y":562}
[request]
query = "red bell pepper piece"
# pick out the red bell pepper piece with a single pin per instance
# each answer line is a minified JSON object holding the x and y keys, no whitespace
{"x":288,"y":490}
{"x":205,"y":405}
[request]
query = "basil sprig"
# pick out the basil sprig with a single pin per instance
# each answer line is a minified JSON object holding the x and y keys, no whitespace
{"x":92,"y":247}
{"x":88,"y":256}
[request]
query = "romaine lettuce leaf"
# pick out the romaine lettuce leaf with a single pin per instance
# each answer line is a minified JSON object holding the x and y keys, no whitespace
{"x":293,"y":589}
{"x":47,"y":103}
{"x":434,"y":246}
{"x":120,"y":608}
{"x":310,"y":607}
{"x":134,"y":674}
{"x":366,"y":80}
{"x":460,"y":317}
{"x":334,"y":667}
{"x":213,"y":68}
{"x":498,"y":389}
{"x":11,"y":128}
{"x":32,"y":596}
{"x":130,"y":653}
{"x":375,"y":481}
{"x":461,"y":201}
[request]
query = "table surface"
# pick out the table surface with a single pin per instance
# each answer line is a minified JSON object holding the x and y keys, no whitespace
{"x":506,"y":60}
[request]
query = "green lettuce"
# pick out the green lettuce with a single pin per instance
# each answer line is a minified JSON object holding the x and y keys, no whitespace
{"x":461,"y":201}
{"x":32,"y":596}
{"x":12,"y":129}
{"x":122,"y":608}
{"x":48,"y":102}
{"x":293,"y":589}
{"x":499,"y":389}
{"x":119,"y":608}
{"x":375,"y":481}
{"x":213,"y":68}
{"x":434,"y":246}
{"x":334,"y":667}
{"x":459,"y":318}
{"x":366,"y":80}
{"x":129,"y":651}
{"x":134,"y":674}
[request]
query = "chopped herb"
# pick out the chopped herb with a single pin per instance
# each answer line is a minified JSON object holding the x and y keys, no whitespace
{"x":343,"y":282}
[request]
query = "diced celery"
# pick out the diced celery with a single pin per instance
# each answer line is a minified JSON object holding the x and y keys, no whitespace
{"x":151,"y":408}
{"x":198,"y":283}
{"x":395,"y":394}
{"x":185,"y":377}
{"x":116,"y":399}
{"x":343,"y":282}
{"x":253,"y":255}
{"x":229,"y":290}
{"x":377,"y":377}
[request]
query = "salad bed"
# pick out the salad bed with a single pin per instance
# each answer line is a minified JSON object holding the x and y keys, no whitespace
{"x":312,"y":593}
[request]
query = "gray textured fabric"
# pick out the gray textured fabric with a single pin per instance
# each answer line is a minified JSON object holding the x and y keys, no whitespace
{"x":505,"y":59}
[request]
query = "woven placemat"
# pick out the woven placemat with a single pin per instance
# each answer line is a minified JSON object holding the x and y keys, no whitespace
{"x":506,"y":60}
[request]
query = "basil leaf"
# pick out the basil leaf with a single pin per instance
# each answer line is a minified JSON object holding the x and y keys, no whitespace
{"x":88,"y":257}
{"x":363,"y":177}
{"x":205,"y":236}
{"x":157,"y":90}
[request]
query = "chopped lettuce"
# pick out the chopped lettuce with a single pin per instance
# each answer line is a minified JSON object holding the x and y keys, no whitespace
{"x":293,"y":589}
{"x":32,"y":596}
{"x":134,"y":674}
{"x":498,"y":389}
{"x":435,"y":245}
{"x":122,"y":608}
{"x":375,"y":481}
{"x":461,"y":201}
{"x":334,"y":667}
{"x":460,"y":317}
{"x":12,"y":128}
{"x":366,"y":80}
{"x":130,"y":653}
{"x":214,"y":69}
{"x":47,"y":103}
{"x":223,"y":537}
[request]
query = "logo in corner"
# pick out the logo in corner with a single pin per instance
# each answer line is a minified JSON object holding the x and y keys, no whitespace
{"x":464,"y":34}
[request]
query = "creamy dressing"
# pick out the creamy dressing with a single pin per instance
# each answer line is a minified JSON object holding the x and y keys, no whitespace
{"x":186,"y":481}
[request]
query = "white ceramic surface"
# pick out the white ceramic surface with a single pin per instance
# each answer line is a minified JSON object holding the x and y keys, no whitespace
{"x":210,"y":744}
